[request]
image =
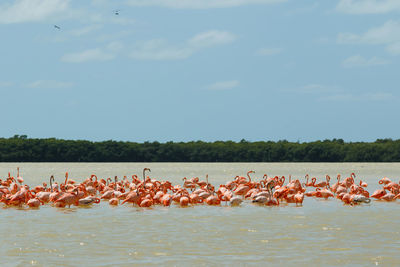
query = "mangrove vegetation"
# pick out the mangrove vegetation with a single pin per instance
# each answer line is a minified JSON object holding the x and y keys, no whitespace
{"x":20,"y":148}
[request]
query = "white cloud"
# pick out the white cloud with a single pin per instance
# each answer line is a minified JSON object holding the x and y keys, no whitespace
{"x":338,"y":97}
{"x":359,"y":61}
{"x":385,"y":34}
{"x":315,"y":88}
{"x":6,"y":84}
{"x":269,"y":51}
{"x":159,"y":49}
{"x":64,"y":35}
{"x":114,"y":36}
{"x":100,"y":3}
{"x":31,"y":10}
{"x":388,"y":34}
{"x":122,"y":21}
{"x":394,"y":48}
{"x":211,"y":38}
{"x":95,"y":54}
{"x":368,"y":6}
{"x":323,"y":92}
{"x":49,"y":84}
{"x":323,"y":40}
{"x":336,"y":93}
{"x":85,"y":30}
{"x":20,"y":11}
{"x":96,"y":17}
{"x":115,"y":46}
{"x":348,"y":38}
{"x":225,"y":85}
{"x":200,"y":4}
{"x":378,"y":96}
{"x":303,"y":10}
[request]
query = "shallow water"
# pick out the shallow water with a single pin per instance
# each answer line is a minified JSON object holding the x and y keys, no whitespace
{"x":321,"y":232}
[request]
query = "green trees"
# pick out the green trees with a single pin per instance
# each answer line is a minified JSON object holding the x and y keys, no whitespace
{"x":20,"y":148}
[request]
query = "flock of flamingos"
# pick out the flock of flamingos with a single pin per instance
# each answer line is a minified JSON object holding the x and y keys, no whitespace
{"x":146,"y":192}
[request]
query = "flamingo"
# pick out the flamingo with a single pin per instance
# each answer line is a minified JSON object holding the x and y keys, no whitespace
{"x":144,"y":175}
{"x":335,"y":185}
{"x":108,"y":194}
{"x":235,"y":201}
{"x":19,"y":178}
{"x":271,"y":201}
{"x":307,"y":183}
{"x":213,"y":200}
{"x":360,"y":199}
{"x":34,"y":203}
{"x":195,"y":198}
{"x":166,"y":200}
{"x":184,"y":201}
{"x":189,"y":184}
{"x":298,"y":198}
{"x":114,"y":201}
{"x":378,"y":194}
{"x":69,"y":198}
{"x":261,"y":199}
{"x":323,"y":183}
{"x":146,"y":203}
{"x":388,"y":197}
{"x":44,"y":196}
{"x":384,"y":180}
{"x":349,"y":181}
{"x":132,"y":197}
{"x":88,"y":200}
{"x":363,"y":184}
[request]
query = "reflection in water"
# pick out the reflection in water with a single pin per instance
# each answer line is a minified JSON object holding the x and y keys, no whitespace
{"x":321,"y":232}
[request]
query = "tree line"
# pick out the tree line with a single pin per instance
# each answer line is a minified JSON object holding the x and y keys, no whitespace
{"x":20,"y":148}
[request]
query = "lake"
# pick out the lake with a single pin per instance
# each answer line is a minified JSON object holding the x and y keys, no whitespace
{"x":320,"y":233}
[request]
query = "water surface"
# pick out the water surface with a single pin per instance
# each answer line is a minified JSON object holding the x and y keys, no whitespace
{"x":321,"y":232}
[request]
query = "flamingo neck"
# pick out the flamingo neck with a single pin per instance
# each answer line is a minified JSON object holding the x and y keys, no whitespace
{"x":248,"y":175}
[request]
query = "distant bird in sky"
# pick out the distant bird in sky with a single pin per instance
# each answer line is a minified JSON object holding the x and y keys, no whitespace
{"x":116,"y":12}
{"x":57,"y":27}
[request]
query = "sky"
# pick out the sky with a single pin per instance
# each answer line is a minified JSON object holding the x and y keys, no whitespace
{"x":188,"y":70}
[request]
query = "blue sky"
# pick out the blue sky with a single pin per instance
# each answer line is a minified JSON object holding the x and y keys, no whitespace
{"x":182,"y":70}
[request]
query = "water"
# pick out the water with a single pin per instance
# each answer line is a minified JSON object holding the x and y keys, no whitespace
{"x":322,"y":232}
